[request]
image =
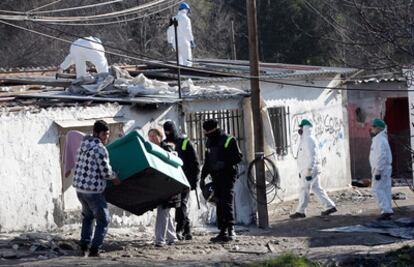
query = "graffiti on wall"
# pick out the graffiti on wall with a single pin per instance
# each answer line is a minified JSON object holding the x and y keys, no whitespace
{"x":328,"y":130}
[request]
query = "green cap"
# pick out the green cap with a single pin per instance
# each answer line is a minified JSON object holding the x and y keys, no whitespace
{"x":378,"y":123}
{"x":305,"y":122}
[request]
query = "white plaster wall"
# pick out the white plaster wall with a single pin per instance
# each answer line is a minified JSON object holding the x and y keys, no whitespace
{"x":324,"y":108}
{"x":30,"y":173}
{"x":328,"y":113}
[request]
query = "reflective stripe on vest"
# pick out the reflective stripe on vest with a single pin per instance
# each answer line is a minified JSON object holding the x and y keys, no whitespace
{"x":226,"y":145}
{"x":184,"y":145}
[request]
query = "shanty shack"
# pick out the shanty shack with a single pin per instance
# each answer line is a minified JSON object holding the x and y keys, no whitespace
{"x":37,"y":112}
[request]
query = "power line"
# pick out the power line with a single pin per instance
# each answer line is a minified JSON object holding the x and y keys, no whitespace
{"x":171,"y":3}
{"x":76,"y":7}
{"x":115,"y":14}
{"x":205,"y":71}
{"x":41,"y":7}
{"x":352,"y":4}
{"x":12,"y":12}
{"x":34,"y":12}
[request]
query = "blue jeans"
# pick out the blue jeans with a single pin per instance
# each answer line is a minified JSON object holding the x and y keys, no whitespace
{"x":94,"y":206}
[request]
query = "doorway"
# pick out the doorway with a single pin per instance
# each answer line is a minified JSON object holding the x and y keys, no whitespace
{"x":398,"y":122}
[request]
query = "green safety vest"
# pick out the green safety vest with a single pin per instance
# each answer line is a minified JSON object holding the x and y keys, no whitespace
{"x":226,"y":145}
{"x":186,"y":141}
{"x":184,"y":144}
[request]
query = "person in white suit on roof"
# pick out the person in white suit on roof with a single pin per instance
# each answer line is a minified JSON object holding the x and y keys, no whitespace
{"x":185,"y":36}
{"x":83,"y":50}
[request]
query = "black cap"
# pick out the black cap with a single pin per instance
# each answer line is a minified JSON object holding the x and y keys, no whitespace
{"x":210,"y":124}
{"x":169,"y":126}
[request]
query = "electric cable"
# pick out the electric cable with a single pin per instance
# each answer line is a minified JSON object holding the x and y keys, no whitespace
{"x":171,"y":3}
{"x":75,"y":8}
{"x":272,"y":178}
{"x":12,"y":12}
{"x":115,"y":14}
{"x":352,"y":4}
{"x":41,"y":7}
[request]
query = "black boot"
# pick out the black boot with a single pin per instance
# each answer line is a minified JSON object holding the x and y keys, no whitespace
{"x":93,"y":252}
{"x":231,"y":233}
{"x":187,"y":233}
{"x":84,"y":247}
{"x":221,"y":237}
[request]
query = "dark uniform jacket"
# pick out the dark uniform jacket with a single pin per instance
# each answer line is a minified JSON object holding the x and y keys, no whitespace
{"x":188,"y":155}
{"x":221,"y":157}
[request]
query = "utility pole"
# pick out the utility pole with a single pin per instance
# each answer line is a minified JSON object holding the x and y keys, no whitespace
{"x":174,"y":22}
{"x":257,"y":117}
{"x":233,"y":40}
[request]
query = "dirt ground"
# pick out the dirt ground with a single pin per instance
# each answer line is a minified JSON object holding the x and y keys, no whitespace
{"x":134,"y":247}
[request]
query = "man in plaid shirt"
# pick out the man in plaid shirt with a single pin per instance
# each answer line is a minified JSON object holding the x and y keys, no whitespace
{"x":92,"y":170}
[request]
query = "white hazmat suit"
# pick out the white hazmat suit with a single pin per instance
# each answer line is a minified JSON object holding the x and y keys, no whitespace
{"x":380,"y":159}
{"x":185,"y":38}
{"x":309,"y":165}
{"x":86,"y":49}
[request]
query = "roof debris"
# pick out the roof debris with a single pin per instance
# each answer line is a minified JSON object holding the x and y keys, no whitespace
{"x":142,"y":84}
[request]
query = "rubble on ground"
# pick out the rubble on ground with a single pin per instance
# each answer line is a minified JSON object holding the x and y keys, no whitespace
{"x":37,"y":246}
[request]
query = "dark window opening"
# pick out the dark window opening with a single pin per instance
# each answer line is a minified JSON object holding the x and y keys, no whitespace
{"x":230,"y":121}
{"x":279,"y":121}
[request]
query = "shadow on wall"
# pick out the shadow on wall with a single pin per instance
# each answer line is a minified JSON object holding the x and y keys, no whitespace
{"x":50,"y":136}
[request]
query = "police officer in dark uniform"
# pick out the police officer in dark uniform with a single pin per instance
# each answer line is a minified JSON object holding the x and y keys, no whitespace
{"x":221,"y":159}
{"x":191,"y":168}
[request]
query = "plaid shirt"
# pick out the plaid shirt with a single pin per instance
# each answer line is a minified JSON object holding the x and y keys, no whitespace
{"x":92,"y":167}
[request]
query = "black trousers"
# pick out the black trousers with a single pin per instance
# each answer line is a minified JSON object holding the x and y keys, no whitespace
{"x":181,"y":214}
{"x":224,"y":193}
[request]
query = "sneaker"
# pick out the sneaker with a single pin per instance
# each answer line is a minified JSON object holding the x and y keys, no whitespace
{"x":232,"y":233}
{"x":159,"y":245}
{"x":385,"y":216}
{"x":297,"y":215}
{"x":172,"y":242}
{"x":180,"y":237}
{"x":93,"y":252}
{"x":188,"y":237}
{"x":329,"y":211}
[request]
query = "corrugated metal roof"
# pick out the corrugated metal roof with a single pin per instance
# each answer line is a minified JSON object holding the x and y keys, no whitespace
{"x":268,"y":70}
{"x":378,"y":78}
{"x":81,"y":123}
{"x":124,"y":100}
{"x":275,"y":68}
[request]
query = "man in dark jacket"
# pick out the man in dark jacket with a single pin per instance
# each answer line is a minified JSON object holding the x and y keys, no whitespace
{"x":221,"y":159}
{"x":191,"y":168}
